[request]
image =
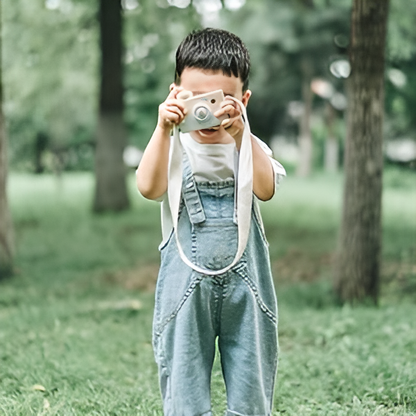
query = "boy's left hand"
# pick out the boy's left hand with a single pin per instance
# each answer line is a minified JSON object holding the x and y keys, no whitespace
{"x":234,"y":125}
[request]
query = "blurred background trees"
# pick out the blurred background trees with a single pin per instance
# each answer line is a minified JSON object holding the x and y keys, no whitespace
{"x":52,"y":63}
{"x":50,"y":69}
{"x":56,"y":102}
{"x":294,"y":43}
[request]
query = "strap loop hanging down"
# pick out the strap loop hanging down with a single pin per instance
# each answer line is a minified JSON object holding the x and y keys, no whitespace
{"x":243,"y":189}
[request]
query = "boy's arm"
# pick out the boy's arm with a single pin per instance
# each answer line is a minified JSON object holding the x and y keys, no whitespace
{"x":152,"y":173}
{"x":263,"y":172}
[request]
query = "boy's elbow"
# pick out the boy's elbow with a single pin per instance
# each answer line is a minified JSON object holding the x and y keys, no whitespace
{"x":264,"y":194}
{"x":145,"y":190}
{"x":146,"y":193}
{"x":148,"y":190}
{"x":264,"y":187}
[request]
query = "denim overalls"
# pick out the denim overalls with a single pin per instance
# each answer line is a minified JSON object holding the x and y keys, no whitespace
{"x":193,"y":310}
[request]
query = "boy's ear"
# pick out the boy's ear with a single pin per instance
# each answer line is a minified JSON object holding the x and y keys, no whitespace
{"x":246,"y":97}
{"x":172,"y":86}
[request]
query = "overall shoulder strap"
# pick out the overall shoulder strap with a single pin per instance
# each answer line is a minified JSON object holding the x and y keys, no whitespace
{"x":243,"y":189}
{"x":190,"y":193}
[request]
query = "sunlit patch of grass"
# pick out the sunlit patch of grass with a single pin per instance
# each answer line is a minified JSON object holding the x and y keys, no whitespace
{"x":346,"y":360}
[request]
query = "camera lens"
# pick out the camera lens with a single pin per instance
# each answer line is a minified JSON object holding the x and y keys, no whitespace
{"x":201,"y":113}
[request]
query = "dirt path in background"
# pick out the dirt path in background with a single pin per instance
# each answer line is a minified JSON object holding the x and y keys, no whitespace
{"x":294,"y":267}
{"x":142,"y":277}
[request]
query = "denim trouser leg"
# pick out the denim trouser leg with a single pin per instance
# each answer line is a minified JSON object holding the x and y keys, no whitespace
{"x":193,"y":310}
{"x":186,"y":355}
{"x":248,"y":347}
{"x":249,"y":333}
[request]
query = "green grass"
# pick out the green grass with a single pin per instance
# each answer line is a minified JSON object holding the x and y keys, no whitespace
{"x":75,"y":320}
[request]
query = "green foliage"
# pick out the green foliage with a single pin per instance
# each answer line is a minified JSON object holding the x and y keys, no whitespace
{"x":400,"y":99}
{"x":152,"y":34}
{"x":75,"y":322}
{"x":51,"y":59}
{"x":282,"y":36}
{"x":401,"y":55}
{"x":401,"y":45}
{"x":50,"y":74}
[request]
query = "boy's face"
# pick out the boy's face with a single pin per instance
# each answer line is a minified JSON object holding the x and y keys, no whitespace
{"x":200,"y":81}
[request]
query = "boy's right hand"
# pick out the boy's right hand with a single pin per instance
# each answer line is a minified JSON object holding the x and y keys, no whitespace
{"x":171,"y":111}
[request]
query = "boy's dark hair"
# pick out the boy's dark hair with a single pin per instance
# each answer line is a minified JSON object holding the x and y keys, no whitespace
{"x":213,"y":49}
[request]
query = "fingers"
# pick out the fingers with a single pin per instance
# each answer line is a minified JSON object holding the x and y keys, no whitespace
{"x":172,"y":111}
{"x":227,"y":123}
{"x":229,"y":107}
{"x":174,"y":91}
{"x":232,"y":110}
{"x":234,"y":124}
{"x":173,"y":103}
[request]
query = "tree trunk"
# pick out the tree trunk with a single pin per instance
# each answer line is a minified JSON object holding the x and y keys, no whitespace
{"x":6,"y":228}
{"x":41,"y":144}
{"x":304,"y":167}
{"x":111,"y":190}
{"x":331,"y":143}
{"x":357,"y":272}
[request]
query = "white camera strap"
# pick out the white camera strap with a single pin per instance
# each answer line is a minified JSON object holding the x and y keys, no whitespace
{"x":243,"y":189}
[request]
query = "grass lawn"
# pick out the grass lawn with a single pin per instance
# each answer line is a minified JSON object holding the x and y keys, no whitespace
{"x":75,"y":320}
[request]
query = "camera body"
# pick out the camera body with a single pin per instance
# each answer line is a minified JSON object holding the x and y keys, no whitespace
{"x":201,"y":109}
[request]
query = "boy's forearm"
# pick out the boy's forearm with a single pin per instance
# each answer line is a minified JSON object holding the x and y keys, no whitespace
{"x":263,"y":174}
{"x":152,"y":173}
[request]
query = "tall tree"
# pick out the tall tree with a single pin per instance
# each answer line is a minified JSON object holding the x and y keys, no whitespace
{"x":6,"y":229}
{"x":358,"y":262}
{"x":111,"y":190}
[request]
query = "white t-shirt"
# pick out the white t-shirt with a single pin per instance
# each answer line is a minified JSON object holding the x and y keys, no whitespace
{"x":218,"y":162}
{"x":213,"y":162}
{"x":210,"y":162}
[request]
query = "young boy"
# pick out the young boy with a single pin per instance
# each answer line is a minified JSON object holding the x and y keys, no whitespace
{"x":205,"y":291}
